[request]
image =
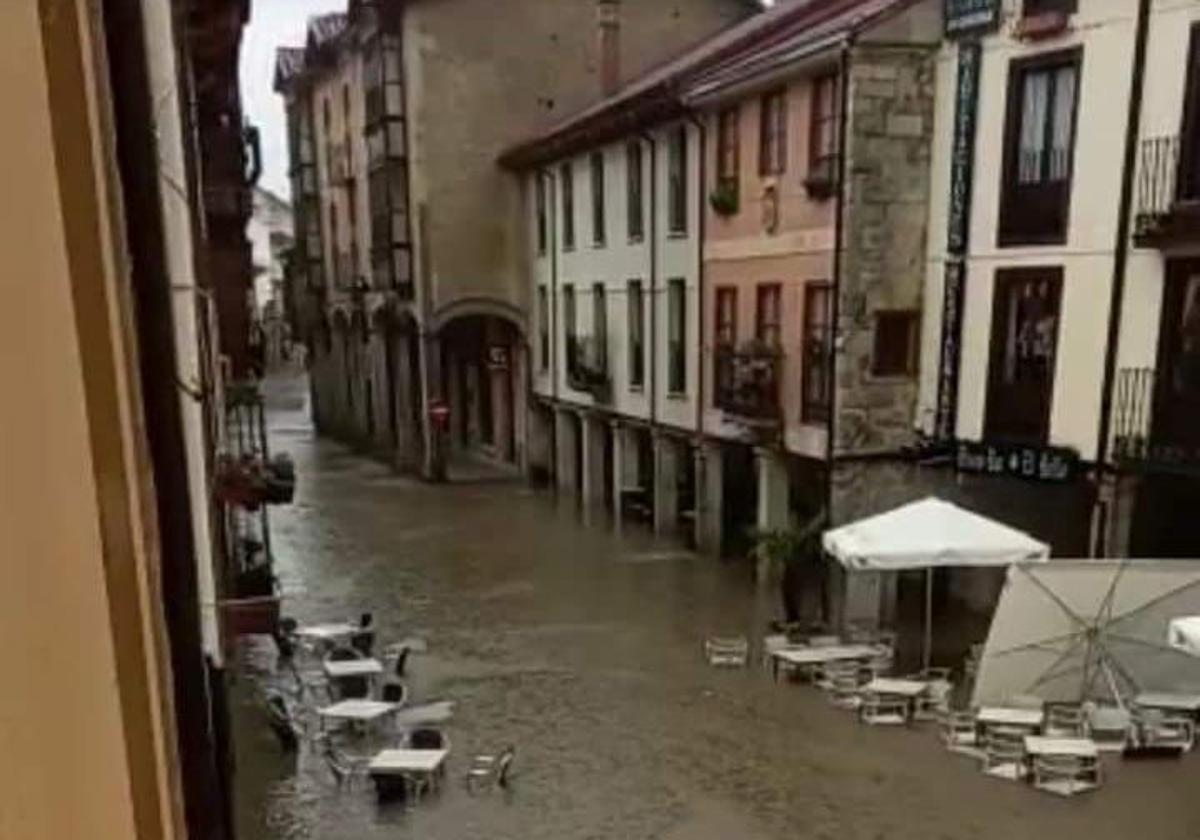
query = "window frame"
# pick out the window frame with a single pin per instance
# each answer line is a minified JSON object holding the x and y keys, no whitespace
{"x":1019,"y":203}
{"x":824,"y":112}
{"x":570,"y":317}
{"x":763,"y":293}
{"x":542,"y":239}
{"x":635,"y":214}
{"x":677,"y":344}
{"x":543,"y":312}
{"x":636,"y":333}
{"x":729,"y":152}
{"x":566,"y":180}
{"x":772,"y":132}
{"x":677,"y":187}
{"x":600,"y":323}
{"x":812,"y":410}
{"x":721,"y":294}
{"x":596,"y":178}
{"x":885,"y":362}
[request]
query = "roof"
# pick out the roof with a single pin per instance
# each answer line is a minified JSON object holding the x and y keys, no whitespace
{"x":656,"y":95}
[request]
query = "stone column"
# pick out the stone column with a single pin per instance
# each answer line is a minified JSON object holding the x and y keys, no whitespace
{"x":565,"y":468}
{"x":593,"y":431}
{"x":710,"y":489}
{"x":666,"y":483}
{"x":435,"y":435}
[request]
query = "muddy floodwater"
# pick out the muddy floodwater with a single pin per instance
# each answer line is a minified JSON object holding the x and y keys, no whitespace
{"x":583,"y":649}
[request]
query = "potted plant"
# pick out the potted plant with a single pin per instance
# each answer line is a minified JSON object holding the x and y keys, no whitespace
{"x":724,"y":198}
{"x":240,"y":481}
{"x":796,"y":554}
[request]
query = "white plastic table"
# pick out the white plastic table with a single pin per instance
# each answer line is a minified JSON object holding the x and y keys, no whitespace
{"x":361,"y":711}
{"x":423,"y":764}
{"x":1075,"y":747}
{"x":327,"y":632}
{"x":1169,"y":701}
{"x":353,"y":668}
{"x":1031,"y":719}
{"x":801,"y":656}
{"x":896,"y":687}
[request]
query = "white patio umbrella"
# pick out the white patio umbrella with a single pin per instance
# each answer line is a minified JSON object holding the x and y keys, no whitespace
{"x":926,"y":535}
{"x":1074,"y":630}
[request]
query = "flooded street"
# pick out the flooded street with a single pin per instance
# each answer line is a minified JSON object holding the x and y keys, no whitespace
{"x":583,"y":649}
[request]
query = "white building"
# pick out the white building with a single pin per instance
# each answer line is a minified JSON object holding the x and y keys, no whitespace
{"x":1028,"y":242}
{"x":270,"y":234}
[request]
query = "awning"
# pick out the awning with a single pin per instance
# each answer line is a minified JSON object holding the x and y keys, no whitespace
{"x":928,"y":534}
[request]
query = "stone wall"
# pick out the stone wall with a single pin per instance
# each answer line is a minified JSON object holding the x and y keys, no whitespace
{"x":889,"y":127}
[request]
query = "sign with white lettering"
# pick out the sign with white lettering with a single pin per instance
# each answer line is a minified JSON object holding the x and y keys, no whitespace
{"x":1039,"y":463}
{"x":971,"y":16}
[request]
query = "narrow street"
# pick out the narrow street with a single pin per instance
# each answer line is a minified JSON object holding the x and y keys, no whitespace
{"x":583,"y":649}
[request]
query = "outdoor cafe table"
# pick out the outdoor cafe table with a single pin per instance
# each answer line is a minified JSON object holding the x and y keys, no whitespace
{"x":907,"y":690}
{"x":1074,"y":747}
{"x":327,"y":632}
{"x":356,"y":710}
{"x":801,"y":656}
{"x":1170,"y":702}
{"x":1031,"y":719}
{"x":408,"y":763}
{"x":340,"y":669}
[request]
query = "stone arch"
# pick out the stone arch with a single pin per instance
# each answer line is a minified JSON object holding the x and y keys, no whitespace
{"x":479,"y":306}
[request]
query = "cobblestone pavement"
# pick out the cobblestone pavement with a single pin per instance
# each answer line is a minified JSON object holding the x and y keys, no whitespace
{"x":583,"y":649}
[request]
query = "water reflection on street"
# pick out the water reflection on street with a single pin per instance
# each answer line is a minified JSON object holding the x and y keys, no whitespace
{"x":583,"y":649}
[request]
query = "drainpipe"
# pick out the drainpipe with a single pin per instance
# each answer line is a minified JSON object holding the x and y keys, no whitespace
{"x":1121,"y":255}
{"x":653,"y":278}
{"x":839,"y":208}
{"x":701,"y":227}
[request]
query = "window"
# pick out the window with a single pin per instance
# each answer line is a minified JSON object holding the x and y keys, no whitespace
{"x":543,"y":315}
{"x":897,"y":340}
{"x":599,"y":327}
{"x":676,"y":336}
{"x":823,"y":129}
{"x":637,"y":326}
{"x":346,"y":110}
{"x":1025,"y":317}
{"x":725,"y":328}
{"x":728,"y":149}
{"x":567,"y":178}
{"x":597,"y":167}
{"x":568,"y":314}
{"x":766,"y":315}
{"x":540,"y":200}
{"x":1188,"y":176}
{"x":677,"y":199}
{"x":772,"y":136}
{"x":633,"y":192}
{"x":1039,"y":145}
{"x":816,"y":393}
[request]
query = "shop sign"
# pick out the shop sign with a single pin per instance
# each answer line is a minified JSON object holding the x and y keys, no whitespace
{"x":1038,"y":463}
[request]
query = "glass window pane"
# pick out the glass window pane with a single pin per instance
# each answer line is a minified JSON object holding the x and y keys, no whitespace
{"x":1061,"y":129}
{"x":1034,"y":104}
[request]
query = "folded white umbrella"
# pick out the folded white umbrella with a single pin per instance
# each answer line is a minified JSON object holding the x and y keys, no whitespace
{"x":1076,"y":630}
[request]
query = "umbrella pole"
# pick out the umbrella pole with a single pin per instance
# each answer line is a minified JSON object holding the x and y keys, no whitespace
{"x":928,"y":618}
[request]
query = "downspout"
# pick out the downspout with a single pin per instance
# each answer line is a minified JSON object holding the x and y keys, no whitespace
{"x":701,"y":237}
{"x":835,"y":307}
{"x":653,"y":278}
{"x":1121,"y":255}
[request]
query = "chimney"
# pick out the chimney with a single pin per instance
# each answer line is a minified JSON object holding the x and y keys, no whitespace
{"x":608,"y":33}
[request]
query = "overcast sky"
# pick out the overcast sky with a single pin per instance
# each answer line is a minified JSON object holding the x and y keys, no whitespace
{"x":274,"y":23}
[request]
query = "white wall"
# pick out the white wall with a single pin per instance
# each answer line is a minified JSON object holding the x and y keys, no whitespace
{"x":1104,"y":29}
{"x":615,"y":264}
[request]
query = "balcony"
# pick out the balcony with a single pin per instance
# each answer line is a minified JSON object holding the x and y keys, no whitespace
{"x":1154,"y":425}
{"x":747,"y":384}
{"x":1168,"y":201}
{"x":587,"y":368}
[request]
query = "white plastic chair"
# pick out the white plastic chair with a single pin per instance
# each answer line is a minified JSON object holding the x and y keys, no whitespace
{"x":731,"y":652}
{"x":881,"y":710}
{"x":1066,"y":775}
{"x":1004,"y":754}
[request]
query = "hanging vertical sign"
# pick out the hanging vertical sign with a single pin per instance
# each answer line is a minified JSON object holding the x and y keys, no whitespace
{"x":971,"y":16}
{"x":962,"y":166}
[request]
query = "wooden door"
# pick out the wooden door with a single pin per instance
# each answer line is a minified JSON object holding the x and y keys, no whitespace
{"x":1024,"y":343}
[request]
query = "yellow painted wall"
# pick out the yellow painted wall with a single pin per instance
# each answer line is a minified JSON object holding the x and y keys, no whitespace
{"x":71,"y":765}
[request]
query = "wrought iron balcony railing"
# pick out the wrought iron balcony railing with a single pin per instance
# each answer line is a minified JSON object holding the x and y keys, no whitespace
{"x":1151,"y":428}
{"x":747,"y":382}
{"x":1168,"y":205}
